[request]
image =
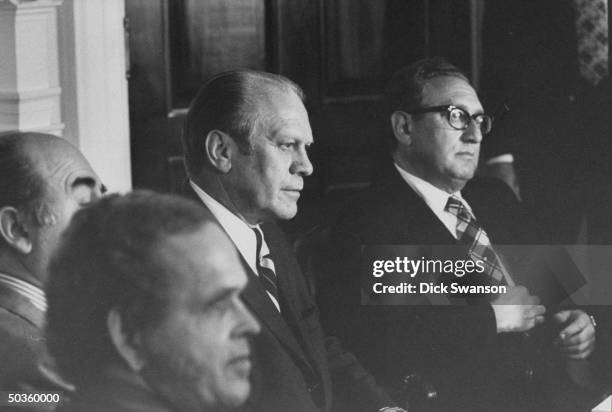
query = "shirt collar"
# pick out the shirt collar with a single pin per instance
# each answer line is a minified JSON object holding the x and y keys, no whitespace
{"x":435,"y":198}
{"x":237,"y":229}
{"x":31,"y":292}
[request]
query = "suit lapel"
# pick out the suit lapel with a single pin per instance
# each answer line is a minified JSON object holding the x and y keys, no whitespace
{"x":414,"y":209}
{"x":21,"y":306}
{"x":259,"y":302}
{"x":288,"y":274}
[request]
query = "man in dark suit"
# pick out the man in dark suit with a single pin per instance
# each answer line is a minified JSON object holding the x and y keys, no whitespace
{"x":44,"y":181}
{"x":246,"y":138}
{"x":145,"y":311}
{"x":478,"y":356}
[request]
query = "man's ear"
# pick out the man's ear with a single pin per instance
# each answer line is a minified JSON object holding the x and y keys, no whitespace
{"x":129,"y":351}
{"x":14,"y":230}
{"x":219,"y":147}
{"x":401,"y":124}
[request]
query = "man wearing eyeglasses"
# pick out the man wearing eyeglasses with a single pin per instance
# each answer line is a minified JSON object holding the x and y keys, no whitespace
{"x":479,"y":356}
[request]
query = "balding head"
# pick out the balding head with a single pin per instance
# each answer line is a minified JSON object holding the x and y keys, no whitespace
{"x":27,"y":162}
{"x":45,"y":180}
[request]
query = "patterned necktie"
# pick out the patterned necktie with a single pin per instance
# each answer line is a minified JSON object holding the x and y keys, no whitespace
{"x":471,"y":234}
{"x":592,"y":39}
{"x":265,"y":268}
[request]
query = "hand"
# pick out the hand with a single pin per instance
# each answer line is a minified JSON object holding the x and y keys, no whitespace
{"x":517,"y":310}
{"x":577,"y":338}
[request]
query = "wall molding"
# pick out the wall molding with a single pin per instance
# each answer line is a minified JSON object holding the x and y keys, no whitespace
{"x":30,"y":93}
{"x":95,"y":97}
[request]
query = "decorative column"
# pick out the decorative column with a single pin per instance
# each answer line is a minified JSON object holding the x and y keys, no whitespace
{"x":94,"y":86}
{"x":30,"y":93}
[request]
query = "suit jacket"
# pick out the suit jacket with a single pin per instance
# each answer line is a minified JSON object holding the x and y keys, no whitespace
{"x":455,"y":348}
{"x":292,"y":355}
{"x":25,"y":362}
{"x":116,"y":389}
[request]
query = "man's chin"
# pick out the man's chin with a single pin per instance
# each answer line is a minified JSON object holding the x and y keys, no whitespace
{"x":230,"y":395}
{"x":465,"y":174}
{"x":458,"y":182}
{"x":285,"y":213}
{"x":282,"y":209}
{"x":238,"y":393}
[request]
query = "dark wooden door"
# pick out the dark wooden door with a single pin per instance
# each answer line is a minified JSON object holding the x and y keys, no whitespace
{"x":339,"y":51}
{"x":175,"y":45}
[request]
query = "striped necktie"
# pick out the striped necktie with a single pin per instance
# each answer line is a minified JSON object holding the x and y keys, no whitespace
{"x":265,"y":268}
{"x":471,"y":234}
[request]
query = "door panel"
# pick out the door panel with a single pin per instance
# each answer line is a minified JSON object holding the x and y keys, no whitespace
{"x":206,"y":37}
{"x":176,"y":45}
{"x":341,"y":52}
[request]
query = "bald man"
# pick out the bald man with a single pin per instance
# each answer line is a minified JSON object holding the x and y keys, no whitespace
{"x":43,"y":181}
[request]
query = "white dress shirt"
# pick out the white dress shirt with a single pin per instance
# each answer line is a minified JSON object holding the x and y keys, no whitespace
{"x":240,"y":232}
{"x":32,"y":293}
{"x":436,"y":199}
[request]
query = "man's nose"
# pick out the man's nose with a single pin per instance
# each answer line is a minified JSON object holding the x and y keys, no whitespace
{"x":472,"y":134}
{"x":248,"y":323}
{"x":301,"y":164}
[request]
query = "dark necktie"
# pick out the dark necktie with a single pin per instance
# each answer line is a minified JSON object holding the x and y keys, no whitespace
{"x":471,"y":234}
{"x":265,"y":267}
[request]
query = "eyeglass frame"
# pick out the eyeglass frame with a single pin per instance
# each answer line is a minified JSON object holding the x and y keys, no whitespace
{"x":450,"y":107}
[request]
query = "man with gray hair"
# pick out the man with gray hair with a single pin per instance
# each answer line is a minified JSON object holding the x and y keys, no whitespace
{"x":43,"y":181}
{"x":246,"y":139}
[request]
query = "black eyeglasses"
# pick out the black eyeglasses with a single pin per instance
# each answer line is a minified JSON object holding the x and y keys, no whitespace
{"x":458,"y":118}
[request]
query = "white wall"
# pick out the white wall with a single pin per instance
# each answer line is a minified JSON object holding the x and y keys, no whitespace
{"x":29,"y":81}
{"x":95,"y":98}
{"x":62,"y":71}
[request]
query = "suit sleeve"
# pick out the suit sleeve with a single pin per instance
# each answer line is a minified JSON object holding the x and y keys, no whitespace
{"x":395,"y":341}
{"x":353,"y":386}
{"x":26,"y":364}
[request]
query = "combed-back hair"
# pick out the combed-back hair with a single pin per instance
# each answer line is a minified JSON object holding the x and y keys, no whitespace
{"x":108,"y":258}
{"x":230,"y":102}
{"x":405,"y":89}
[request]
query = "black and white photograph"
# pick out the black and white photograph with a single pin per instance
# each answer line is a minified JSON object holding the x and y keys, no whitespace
{"x":305,"y":206}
